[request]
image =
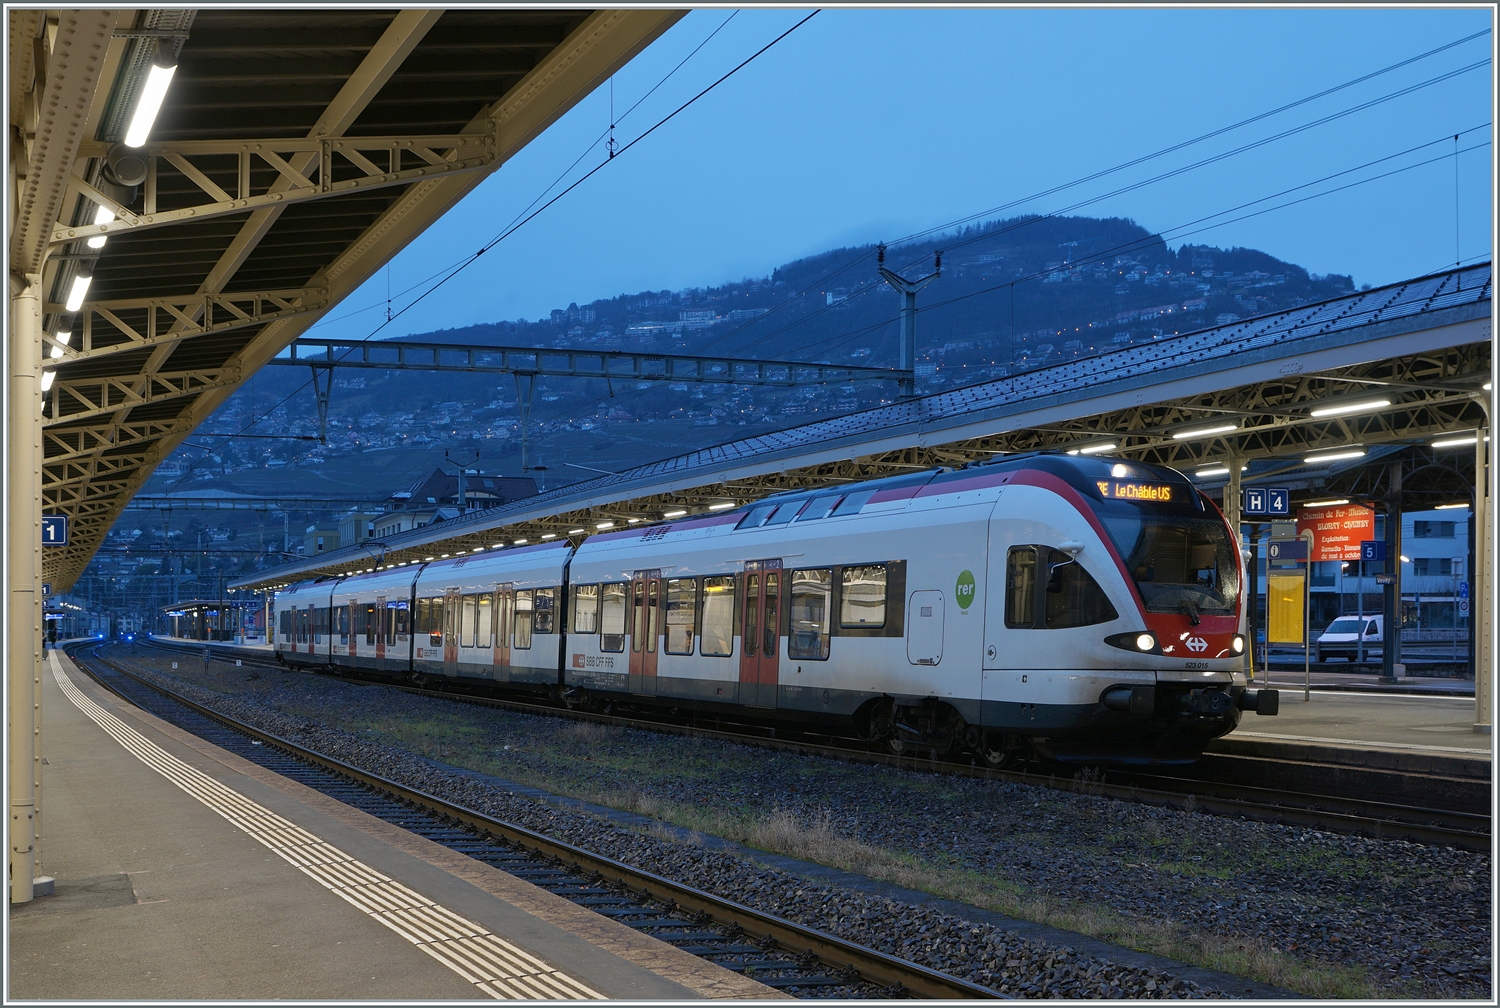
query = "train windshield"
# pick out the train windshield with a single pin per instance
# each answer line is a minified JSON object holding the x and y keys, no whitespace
{"x":1180,"y":564}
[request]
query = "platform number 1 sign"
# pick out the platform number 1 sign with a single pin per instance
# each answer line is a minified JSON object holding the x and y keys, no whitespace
{"x":54,"y":530}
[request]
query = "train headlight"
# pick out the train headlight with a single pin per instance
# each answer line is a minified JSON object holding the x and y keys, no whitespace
{"x":1141,"y":642}
{"x":1238,"y":644}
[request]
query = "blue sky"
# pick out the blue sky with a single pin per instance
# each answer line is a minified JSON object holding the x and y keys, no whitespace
{"x":868,"y":125}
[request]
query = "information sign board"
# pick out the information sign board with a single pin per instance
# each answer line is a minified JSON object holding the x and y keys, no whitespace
{"x":1288,"y":549}
{"x":1339,"y":531}
{"x":1275,"y":502}
{"x":1372,"y":549}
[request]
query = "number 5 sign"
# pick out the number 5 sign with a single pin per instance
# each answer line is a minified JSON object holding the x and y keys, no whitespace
{"x":54,"y":530}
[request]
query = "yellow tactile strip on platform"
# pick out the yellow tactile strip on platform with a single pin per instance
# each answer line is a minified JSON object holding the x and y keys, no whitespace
{"x":484,"y":959}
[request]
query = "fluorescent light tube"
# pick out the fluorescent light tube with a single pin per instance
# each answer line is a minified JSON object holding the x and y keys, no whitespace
{"x":152,"y":93}
{"x":549,"y":535}
{"x":1457,"y":442}
{"x":47,"y":377}
{"x":1341,"y":409}
{"x":721,"y":507}
{"x":101,"y":216}
{"x":575,"y":531}
{"x":1213,"y":471}
{"x":1446,"y":507}
{"x":521,"y":542}
{"x":605,"y":525}
{"x":78,"y":293}
{"x":1094,"y":449}
{"x":1334,"y":456}
{"x":674,"y":514}
{"x":1198,"y":432}
{"x":1327,"y":503}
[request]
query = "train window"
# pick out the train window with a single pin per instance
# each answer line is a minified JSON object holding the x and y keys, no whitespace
{"x":367,"y":612}
{"x":389,"y":623}
{"x":612,"y":617}
{"x":542,"y":620}
{"x":586,"y":609}
{"x":1062,"y":594}
{"x":1073,"y":598}
{"x":403,"y":620}
{"x":862,"y":596}
{"x":756,"y":516}
{"x":285,"y":619}
{"x":522,"y":625}
{"x":819,"y":507}
{"x":751,"y":636}
{"x":852,"y":503}
{"x":1020,"y":587}
{"x":811,"y":593}
{"x":785,"y":512}
{"x":717,"y":638}
{"x":468,"y":627}
{"x":682,"y":608}
{"x":486,"y":638}
{"x":341,"y":617}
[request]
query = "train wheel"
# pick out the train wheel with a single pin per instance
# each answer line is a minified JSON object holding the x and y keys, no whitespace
{"x":893,"y":744}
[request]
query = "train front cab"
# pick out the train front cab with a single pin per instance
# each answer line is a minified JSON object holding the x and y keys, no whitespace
{"x":1113,"y":625}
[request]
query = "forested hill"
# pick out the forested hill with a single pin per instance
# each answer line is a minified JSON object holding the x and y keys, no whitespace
{"x":1009,"y":289}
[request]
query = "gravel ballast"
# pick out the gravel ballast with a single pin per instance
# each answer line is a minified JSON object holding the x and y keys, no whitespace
{"x":1323,"y":913}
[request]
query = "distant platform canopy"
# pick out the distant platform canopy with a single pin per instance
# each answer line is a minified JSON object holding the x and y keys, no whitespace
{"x":1256,"y":391}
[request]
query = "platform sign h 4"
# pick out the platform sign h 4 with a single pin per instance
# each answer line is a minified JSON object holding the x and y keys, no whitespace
{"x":54,"y":530}
{"x":1274,"y":502}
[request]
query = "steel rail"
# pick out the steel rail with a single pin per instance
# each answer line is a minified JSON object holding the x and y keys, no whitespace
{"x":1465,"y":831}
{"x":873,"y":965}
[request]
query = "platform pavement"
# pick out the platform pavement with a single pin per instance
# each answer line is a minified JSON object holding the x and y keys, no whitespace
{"x":1376,"y":720}
{"x":160,"y":897}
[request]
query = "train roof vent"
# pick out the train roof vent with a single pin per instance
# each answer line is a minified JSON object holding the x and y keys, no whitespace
{"x":655,"y":532}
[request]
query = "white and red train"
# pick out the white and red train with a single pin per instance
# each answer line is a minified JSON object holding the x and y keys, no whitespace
{"x":1086,"y":608}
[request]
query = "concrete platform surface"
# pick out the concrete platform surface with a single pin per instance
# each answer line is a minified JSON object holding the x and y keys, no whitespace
{"x":1436,"y":724}
{"x":187,"y":873}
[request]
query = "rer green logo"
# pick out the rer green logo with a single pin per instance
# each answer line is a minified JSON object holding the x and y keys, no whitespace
{"x":964,"y":590}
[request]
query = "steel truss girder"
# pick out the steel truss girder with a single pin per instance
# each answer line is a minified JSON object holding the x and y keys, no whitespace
{"x":338,"y":165}
{"x":62,"y":443}
{"x":137,"y":323}
{"x":611,"y":364}
{"x":100,"y":396}
{"x":94,"y":467}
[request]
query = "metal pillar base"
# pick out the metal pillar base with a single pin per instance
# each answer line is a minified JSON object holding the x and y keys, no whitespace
{"x":1398,"y":672}
{"x":1484,"y":729}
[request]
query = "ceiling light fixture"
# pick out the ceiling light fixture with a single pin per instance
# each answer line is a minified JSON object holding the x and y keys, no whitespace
{"x":1198,"y":432}
{"x":674,"y":514}
{"x":632,"y":521}
{"x":77,"y":294}
{"x":1335,"y":456}
{"x":149,"y":104}
{"x":1339,"y":409}
{"x":62,"y":338}
{"x":1327,"y":503}
{"x":47,"y":377}
{"x":575,"y":531}
{"x":1449,"y":507}
{"x":1213,"y":471}
{"x":721,"y":507}
{"x":101,"y":216}
{"x":1457,"y":442}
{"x":1094,"y":449}
{"x":605,"y":525}
{"x":520,"y":542}
{"x":549,"y":535}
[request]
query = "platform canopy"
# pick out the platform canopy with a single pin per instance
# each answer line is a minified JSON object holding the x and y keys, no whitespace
{"x":296,"y":151}
{"x":1266,"y":393}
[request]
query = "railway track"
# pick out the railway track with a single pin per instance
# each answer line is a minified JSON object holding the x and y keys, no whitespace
{"x":779,"y":953}
{"x":1350,"y":802}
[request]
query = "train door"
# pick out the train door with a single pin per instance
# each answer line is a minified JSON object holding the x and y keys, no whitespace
{"x":761,"y":636}
{"x":451,"y":602}
{"x":505,"y":608}
{"x":924,"y":628}
{"x":381,"y":620}
{"x":353,"y":629}
{"x":645,"y":630}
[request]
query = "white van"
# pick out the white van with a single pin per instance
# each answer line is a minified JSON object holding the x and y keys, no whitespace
{"x":1342,"y":638}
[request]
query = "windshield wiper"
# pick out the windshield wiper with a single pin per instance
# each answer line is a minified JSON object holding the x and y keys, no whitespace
{"x":1191,"y":608}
